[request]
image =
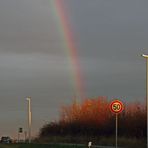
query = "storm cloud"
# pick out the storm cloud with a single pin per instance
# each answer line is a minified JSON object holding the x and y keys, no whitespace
{"x":110,"y":37}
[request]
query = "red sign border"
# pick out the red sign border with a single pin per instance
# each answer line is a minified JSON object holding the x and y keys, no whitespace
{"x":118,"y":101}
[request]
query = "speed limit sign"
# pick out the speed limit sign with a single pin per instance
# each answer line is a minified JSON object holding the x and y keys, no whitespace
{"x":116,"y":106}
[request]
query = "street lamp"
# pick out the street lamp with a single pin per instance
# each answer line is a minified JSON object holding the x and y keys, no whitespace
{"x":146,"y":56}
{"x":29,"y":118}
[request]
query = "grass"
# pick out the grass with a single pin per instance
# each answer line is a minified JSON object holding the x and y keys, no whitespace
{"x":40,"y":146}
{"x":106,"y":141}
{"x":124,"y":142}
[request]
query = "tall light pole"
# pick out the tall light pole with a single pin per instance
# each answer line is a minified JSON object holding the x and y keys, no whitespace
{"x":29,"y":118}
{"x":146,"y":57}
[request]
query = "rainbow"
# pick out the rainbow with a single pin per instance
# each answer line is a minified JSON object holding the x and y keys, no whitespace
{"x":69,"y":45}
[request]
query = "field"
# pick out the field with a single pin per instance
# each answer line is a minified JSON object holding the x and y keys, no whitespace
{"x":41,"y":146}
{"x":131,"y":145}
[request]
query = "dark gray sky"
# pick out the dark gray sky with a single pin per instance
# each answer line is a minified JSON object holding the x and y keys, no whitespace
{"x":110,"y":36}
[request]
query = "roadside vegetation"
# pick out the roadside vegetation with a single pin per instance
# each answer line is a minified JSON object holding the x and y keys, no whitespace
{"x":92,"y":120}
{"x":61,"y":146}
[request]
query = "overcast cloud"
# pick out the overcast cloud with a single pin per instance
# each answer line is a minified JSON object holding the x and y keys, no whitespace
{"x":110,"y":36}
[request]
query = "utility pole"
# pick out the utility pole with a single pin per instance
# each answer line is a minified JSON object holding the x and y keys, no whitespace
{"x":29,"y":118}
{"x":146,"y":57}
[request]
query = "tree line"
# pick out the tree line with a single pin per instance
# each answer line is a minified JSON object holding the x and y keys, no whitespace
{"x":92,"y":117}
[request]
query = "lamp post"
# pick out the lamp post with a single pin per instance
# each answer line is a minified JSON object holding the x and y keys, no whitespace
{"x":29,"y":118}
{"x":146,"y":57}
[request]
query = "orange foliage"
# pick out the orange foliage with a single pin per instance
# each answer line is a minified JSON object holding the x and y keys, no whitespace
{"x":89,"y":111}
{"x":93,"y":117}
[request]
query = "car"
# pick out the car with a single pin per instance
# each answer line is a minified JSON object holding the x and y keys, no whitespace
{"x":6,"y":139}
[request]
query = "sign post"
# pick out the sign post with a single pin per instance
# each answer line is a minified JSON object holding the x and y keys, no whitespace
{"x":116,"y":107}
{"x":116,"y":130}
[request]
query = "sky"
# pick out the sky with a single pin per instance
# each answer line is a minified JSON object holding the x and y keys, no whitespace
{"x":56,"y":51}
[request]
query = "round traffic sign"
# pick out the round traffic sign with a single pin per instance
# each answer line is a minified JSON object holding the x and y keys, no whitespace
{"x":116,"y":106}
